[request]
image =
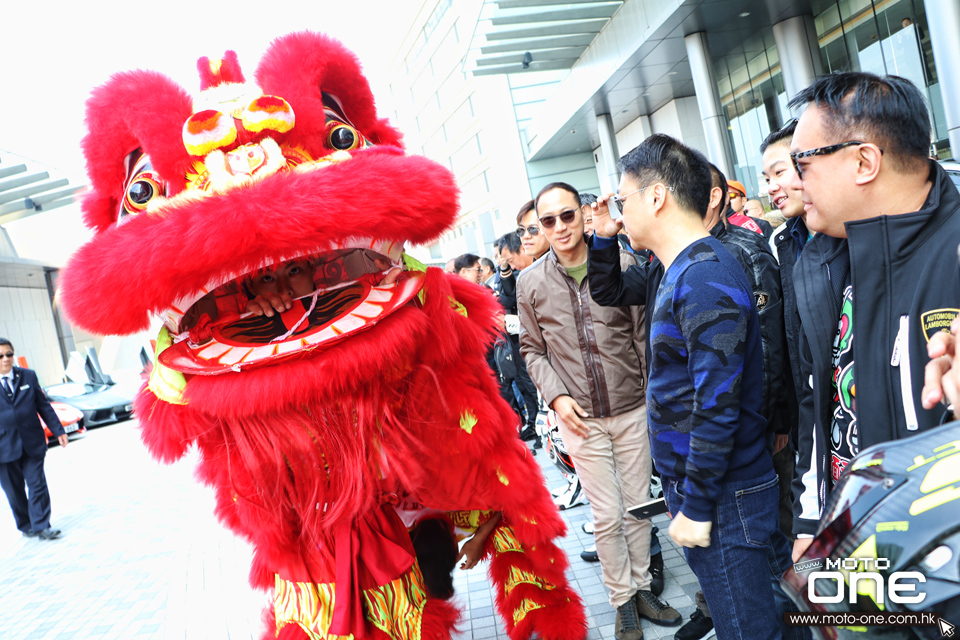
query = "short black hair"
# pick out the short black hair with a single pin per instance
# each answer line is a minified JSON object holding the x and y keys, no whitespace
{"x":4,"y":341}
{"x":888,"y":111}
{"x":510,"y":241}
{"x":719,"y":181}
{"x":556,"y":185}
{"x":465,"y":261}
{"x":783,"y":135}
{"x":587,"y":198}
{"x":488,"y":263}
{"x":685,"y":171}
{"x":527,"y":207}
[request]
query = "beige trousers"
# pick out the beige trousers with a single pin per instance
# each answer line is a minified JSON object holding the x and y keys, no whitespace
{"x":613,"y":463}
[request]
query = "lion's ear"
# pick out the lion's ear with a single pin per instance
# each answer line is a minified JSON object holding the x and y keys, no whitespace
{"x":323,"y":66}
{"x":133,"y":110}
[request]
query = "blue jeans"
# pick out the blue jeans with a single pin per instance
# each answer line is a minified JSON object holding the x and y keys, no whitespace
{"x":740,"y":571}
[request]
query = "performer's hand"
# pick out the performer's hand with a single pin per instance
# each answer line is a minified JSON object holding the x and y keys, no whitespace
{"x":63,"y":439}
{"x":690,"y":533}
{"x":570,"y":413}
{"x":800,"y":546}
{"x":603,"y":224}
{"x":471,"y":553}
{"x":270,"y":303}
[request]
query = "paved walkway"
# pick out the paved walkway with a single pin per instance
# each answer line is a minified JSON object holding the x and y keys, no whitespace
{"x":142,"y":557}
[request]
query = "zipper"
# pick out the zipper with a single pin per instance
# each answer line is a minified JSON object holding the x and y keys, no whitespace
{"x":586,"y":337}
{"x":901,"y":359}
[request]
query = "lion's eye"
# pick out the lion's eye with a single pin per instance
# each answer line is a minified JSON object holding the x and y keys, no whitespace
{"x":140,"y":192}
{"x":344,"y":137}
{"x":143,"y":189}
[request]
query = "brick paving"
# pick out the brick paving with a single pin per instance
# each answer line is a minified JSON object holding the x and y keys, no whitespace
{"x":142,"y":557}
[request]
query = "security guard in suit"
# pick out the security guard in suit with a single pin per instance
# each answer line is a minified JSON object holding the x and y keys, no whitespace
{"x":23,"y":445}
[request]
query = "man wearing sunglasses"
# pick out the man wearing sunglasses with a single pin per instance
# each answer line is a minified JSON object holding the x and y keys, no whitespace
{"x":535,"y":244}
{"x":587,"y":361}
{"x":878,"y":280}
{"x":23,"y":446}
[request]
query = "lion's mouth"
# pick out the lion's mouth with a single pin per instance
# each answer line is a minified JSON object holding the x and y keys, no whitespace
{"x":336,"y":293}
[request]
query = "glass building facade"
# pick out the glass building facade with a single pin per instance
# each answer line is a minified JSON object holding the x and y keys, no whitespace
{"x":882,"y":37}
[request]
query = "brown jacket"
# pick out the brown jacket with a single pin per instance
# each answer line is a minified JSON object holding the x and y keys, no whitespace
{"x":573,"y":346}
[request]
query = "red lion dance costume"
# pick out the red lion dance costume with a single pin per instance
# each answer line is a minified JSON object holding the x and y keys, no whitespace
{"x":369,"y":400}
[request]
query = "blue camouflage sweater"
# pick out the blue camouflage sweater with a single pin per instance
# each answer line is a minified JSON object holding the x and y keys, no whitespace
{"x":706,"y":378}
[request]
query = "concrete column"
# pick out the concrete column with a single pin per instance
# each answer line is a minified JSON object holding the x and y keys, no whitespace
{"x":943,"y":21}
{"x":708,"y":99}
{"x":610,"y":177}
{"x":799,"y":53}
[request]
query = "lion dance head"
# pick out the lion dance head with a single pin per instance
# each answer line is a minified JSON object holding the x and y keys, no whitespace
{"x":337,"y":389}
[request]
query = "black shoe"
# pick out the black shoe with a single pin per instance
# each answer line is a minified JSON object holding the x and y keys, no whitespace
{"x":537,"y":444}
{"x":656,"y":574}
{"x":49,"y":533}
{"x":699,"y":626}
{"x":656,"y":611}
{"x":528,"y":434}
{"x":590,"y":555}
{"x":29,"y":534}
{"x":627,"y":626}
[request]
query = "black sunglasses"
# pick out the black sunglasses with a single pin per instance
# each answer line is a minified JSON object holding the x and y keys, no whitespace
{"x":6,"y":355}
{"x":566,"y":217}
{"x":532,"y":230}
{"x":823,"y":151}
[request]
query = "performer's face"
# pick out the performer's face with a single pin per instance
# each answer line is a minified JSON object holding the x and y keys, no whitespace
{"x":294,"y":278}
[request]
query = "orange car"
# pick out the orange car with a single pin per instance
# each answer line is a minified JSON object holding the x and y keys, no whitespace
{"x":71,"y":419}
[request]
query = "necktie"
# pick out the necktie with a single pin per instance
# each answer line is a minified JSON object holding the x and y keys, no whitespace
{"x":7,"y":388}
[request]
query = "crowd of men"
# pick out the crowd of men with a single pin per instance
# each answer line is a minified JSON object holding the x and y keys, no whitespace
{"x":670,"y":323}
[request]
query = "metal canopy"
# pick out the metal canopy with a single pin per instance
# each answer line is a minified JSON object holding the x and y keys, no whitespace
{"x":25,"y":192}
{"x":541,"y":34}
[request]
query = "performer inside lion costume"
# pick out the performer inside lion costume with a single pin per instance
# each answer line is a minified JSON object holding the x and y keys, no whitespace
{"x":337,"y":390}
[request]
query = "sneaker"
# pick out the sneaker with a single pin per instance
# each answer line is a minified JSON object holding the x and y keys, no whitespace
{"x":699,"y":626}
{"x":627,"y":626}
{"x":587,"y":527}
{"x":528,"y":434}
{"x":656,"y":611}
{"x":656,"y":573}
{"x":590,"y":555}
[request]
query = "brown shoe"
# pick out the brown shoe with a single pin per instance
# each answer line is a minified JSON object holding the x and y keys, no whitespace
{"x":656,"y":611}
{"x":627,"y":626}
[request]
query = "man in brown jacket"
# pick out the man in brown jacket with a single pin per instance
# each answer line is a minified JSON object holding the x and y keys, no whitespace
{"x":587,"y":361}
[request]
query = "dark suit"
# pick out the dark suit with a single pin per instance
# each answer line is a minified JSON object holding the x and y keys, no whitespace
{"x":23,"y":446}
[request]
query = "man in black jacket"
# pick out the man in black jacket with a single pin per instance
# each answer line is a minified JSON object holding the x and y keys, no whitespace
{"x":23,"y":445}
{"x":508,"y":300}
{"x":878,"y":280}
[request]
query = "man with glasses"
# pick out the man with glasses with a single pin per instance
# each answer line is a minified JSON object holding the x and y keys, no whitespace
{"x":534,"y":243}
{"x":467,"y":266}
{"x":705,"y":392}
{"x":23,"y":446}
{"x":637,"y":285}
{"x":878,"y":280}
{"x":737,"y":215}
{"x":587,"y":361}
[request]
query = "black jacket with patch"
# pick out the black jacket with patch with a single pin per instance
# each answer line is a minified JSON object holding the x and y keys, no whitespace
{"x":906,"y":286}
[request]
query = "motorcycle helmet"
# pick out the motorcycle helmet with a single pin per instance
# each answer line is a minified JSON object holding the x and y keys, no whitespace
{"x":898,"y":502}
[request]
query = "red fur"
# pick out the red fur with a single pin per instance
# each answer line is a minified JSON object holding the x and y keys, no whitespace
{"x":229,"y":71}
{"x":326,"y":64}
{"x":297,"y":450}
{"x":144,"y":265}
{"x":136,"y":109}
